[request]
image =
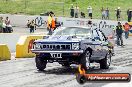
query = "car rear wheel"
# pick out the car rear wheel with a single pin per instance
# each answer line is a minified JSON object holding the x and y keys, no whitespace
{"x":85,"y":60}
{"x":40,"y":63}
{"x":105,"y":63}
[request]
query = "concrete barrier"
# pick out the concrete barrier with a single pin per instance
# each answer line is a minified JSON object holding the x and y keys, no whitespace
{"x":21,"y":20}
{"x":10,"y":39}
{"x":24,"y":45}
{"x":4,"y":52}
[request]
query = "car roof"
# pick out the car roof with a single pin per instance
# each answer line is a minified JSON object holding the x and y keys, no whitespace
{"x":78,"y":27}
{"x":62,"y":28}
{"x":82,"y":27}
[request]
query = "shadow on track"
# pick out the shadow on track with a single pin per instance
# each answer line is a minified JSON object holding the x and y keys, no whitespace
{"x":73,"y":70}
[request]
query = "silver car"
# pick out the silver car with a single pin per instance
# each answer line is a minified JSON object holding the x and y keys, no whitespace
{"x":73,"y":45}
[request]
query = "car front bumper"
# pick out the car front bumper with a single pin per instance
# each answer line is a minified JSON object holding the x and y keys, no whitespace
{"x":52,"y":51}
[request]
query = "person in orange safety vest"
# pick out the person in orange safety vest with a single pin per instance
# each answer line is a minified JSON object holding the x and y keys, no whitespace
{"x":51,"y":23}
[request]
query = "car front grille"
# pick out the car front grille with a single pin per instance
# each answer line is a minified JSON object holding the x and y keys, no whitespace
{"x":56,"y":46}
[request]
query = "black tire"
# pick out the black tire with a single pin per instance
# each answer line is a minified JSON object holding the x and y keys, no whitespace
{"x":81,"y":79}
{"x":105,"y":63}
{"x":40,"y":63}
{"x":85,"y":60}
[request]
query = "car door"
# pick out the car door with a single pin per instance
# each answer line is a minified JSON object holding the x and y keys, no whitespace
{"x":97,"y":51}
{"x":104,"y":43}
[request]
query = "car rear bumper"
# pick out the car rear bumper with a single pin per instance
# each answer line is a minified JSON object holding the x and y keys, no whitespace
{"x":47,"y":51}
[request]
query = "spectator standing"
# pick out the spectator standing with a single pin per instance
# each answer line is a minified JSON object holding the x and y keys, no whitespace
{"x":51,"y":23}
{"x":90,"y":12}
{"x":126,"y":29}
{"x":129,"y":14}
{"x":118,"y":14}
{"x":76,"y":11}
{"x":28,"y":24}
{"x":107,"y":13}
{"x":72,"y":11}
{"x":57,"y":23}
{"x":103,"y":13}
{"x":32,"y":26}
{"x":119,"y":31}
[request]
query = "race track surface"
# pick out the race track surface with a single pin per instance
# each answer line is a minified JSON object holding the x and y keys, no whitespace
{"x":23,"y":73}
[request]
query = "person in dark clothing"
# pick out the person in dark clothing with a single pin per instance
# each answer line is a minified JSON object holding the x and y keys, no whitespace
{"x":107,"y":13}
{"x":57,"y":23}
{"x":103,"y":13}
{"x":119,"y":31}
{"x":28,"y":24}
{"x":32,"y":26}
{"x":72,"y":11}
{"x":82,"y":15}
{"x":118,"y":14}
{"x":90,"y":23}
{"x":129,"y":14}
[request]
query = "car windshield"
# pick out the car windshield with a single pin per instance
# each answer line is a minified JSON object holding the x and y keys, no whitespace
{"x":74,"y":31}
{"x":107,"y":31}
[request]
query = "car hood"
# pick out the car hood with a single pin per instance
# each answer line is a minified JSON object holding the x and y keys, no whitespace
{"x":61,"y":39}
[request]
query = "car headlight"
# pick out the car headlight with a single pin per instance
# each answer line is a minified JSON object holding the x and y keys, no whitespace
{"x":75,"y":46}
{"x":37,"y":46}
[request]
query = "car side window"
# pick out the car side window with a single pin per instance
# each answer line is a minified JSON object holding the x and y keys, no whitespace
{"x":101,"y":36}
{"x":95,"y":35}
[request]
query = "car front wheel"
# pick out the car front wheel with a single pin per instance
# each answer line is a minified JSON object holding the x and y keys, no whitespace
{"x":40,"y":63}
{"x":105,"y":63}
{"x":85,"y":60}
